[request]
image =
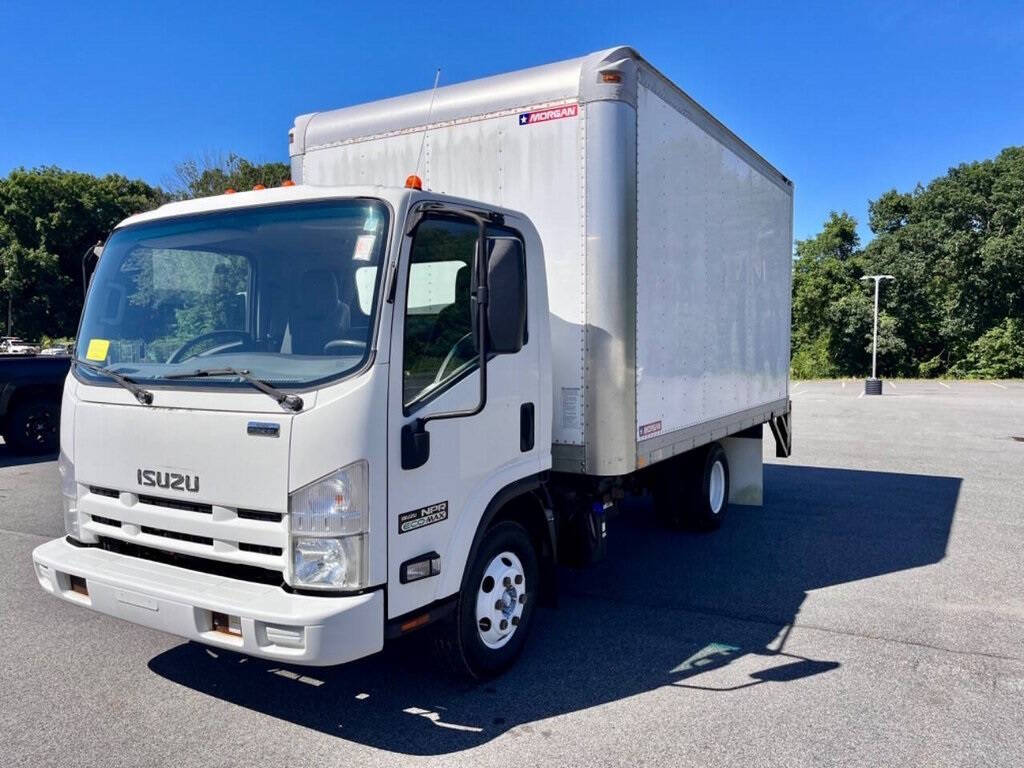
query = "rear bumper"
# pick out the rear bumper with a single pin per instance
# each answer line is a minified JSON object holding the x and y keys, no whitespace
{"x":274,"y":624}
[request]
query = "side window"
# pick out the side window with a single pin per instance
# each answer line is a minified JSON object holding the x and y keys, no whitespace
{"x":438,"y":333}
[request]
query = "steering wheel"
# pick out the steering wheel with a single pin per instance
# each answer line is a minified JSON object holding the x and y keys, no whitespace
{"x":341,"y":344}
{"x":231,"y":339}
{"x":451,"y":356}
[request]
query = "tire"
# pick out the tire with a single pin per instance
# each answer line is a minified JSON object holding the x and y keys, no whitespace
{"x":693,"y":494}
{"x":33,"y":426}
{"x":472,"y":641}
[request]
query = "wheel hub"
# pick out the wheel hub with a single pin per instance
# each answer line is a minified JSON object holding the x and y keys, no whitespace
{"x":500,"y":599}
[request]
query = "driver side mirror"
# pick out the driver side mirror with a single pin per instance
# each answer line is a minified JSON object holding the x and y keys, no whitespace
{"x":506,"y":296}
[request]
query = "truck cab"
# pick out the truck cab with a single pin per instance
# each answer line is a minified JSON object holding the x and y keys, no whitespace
{"x":283,"y":404}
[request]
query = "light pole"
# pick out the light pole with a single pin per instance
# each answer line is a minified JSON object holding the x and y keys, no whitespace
{"x":873,"y":386}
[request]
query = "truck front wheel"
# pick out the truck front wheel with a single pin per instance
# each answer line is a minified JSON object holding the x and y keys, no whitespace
{"x":492,"y":617}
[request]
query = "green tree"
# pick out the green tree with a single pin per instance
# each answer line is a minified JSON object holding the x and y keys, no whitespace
{"x":829,"y":311}
{"x":48,"y":217}
{"x":212,"y":175}
{"x":997,"y":354}
{"x":956,"y":249}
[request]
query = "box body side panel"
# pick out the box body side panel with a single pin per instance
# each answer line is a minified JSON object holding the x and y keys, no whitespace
{"x":713,"y":276}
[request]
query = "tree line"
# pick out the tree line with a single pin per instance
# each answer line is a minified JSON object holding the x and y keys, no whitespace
{"x":956,"y":307}
{"x":49,"y":217}
{"x":955,"y":247}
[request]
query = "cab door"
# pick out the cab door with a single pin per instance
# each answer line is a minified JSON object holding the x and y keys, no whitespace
{"x":434,"y":508}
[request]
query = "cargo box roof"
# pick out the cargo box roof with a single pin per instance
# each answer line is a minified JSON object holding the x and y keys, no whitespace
{"x":572,"y":80}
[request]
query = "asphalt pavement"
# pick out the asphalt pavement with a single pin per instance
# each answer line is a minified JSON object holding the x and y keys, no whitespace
{"x":870,"y":613}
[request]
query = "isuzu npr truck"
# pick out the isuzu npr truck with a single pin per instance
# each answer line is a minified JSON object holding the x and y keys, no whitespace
{"x":398,"y":391}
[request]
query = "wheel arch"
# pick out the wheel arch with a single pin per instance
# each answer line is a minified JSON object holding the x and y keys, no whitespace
{"x":525,"y":501}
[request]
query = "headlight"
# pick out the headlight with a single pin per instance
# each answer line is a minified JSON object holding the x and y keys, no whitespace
{"x":329,"y":522}
{"x":68,"y":495}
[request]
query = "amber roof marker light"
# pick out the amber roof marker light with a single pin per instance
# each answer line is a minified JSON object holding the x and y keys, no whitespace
{"x":414,"y":182}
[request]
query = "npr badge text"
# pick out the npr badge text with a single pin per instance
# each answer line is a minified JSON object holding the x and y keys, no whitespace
{"x":424,"y":516}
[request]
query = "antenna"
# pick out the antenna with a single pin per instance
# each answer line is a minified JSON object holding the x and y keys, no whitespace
{"x":426,"y":127}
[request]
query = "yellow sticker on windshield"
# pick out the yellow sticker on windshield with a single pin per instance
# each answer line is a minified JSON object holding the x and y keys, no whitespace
{"x":98,"y":349}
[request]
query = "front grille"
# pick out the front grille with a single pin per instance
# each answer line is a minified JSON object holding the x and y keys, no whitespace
{"x":193,"y":563}
{"x":187,"y":506}
{"x":260,"y":549}
{"x":108,"y":492}
{"x":179,"y":536}
{"x":254,"y":514}
{"x":105,"y":521}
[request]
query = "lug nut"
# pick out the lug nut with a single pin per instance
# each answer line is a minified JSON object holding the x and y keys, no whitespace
{"x":497,"y":605}
{"x":507,"y":582}
{"x":503,"y":625}
{"x":515,"y":621}
{"x":522,"y":598}
{"x":519,"y":579}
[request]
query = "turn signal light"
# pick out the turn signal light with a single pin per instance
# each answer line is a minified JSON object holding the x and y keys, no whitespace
{"x":611,"y":77}
{"x":414,"y":182}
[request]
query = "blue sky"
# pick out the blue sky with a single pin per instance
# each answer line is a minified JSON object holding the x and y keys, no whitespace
{"x":848,"y":101}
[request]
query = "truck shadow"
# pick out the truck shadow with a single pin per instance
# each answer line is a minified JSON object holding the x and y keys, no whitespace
{"x":9,"y":458}
{"x":664,"y":609}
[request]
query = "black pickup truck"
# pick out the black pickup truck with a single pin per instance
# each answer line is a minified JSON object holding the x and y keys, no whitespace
{"x":30,"y":392}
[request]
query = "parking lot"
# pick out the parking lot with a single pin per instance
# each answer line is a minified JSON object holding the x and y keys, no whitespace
{"x":870,"y":613}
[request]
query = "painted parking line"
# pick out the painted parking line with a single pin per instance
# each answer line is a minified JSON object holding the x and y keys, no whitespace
{"x":944,"y":385}
{"x":892,"y":384}
{"x":996,"y":384}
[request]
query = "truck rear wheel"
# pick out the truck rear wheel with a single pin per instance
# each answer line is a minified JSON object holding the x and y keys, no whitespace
{"x":492,"y":617}
{"x":32,"y":426}
{"x":708,"y":488}
{"x":694,"y":493}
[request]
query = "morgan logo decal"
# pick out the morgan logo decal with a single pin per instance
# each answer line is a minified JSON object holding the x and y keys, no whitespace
{"x":646,"y":430}
{"x":174,"y":481}
{"x":422,"y":517}
{"x":544,"y":115}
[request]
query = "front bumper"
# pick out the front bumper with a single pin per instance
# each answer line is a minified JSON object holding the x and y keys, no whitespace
{"x":300,"y":629}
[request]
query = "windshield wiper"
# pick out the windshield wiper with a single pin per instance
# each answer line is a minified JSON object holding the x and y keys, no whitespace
{"x":291,"y":402}
{"x":144,"y":396}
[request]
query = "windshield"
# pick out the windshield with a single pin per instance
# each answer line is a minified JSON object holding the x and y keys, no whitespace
{"x":287,"y":292}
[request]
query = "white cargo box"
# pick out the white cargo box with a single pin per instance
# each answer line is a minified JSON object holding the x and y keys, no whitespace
{"x":667,"y":240}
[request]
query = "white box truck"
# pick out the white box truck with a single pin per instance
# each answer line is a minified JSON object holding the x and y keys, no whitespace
{"x":303,"y":420}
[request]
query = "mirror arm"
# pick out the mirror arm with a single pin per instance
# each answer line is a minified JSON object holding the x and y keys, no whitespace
{"x":415,"y":438}
{"x":481,"y":325}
